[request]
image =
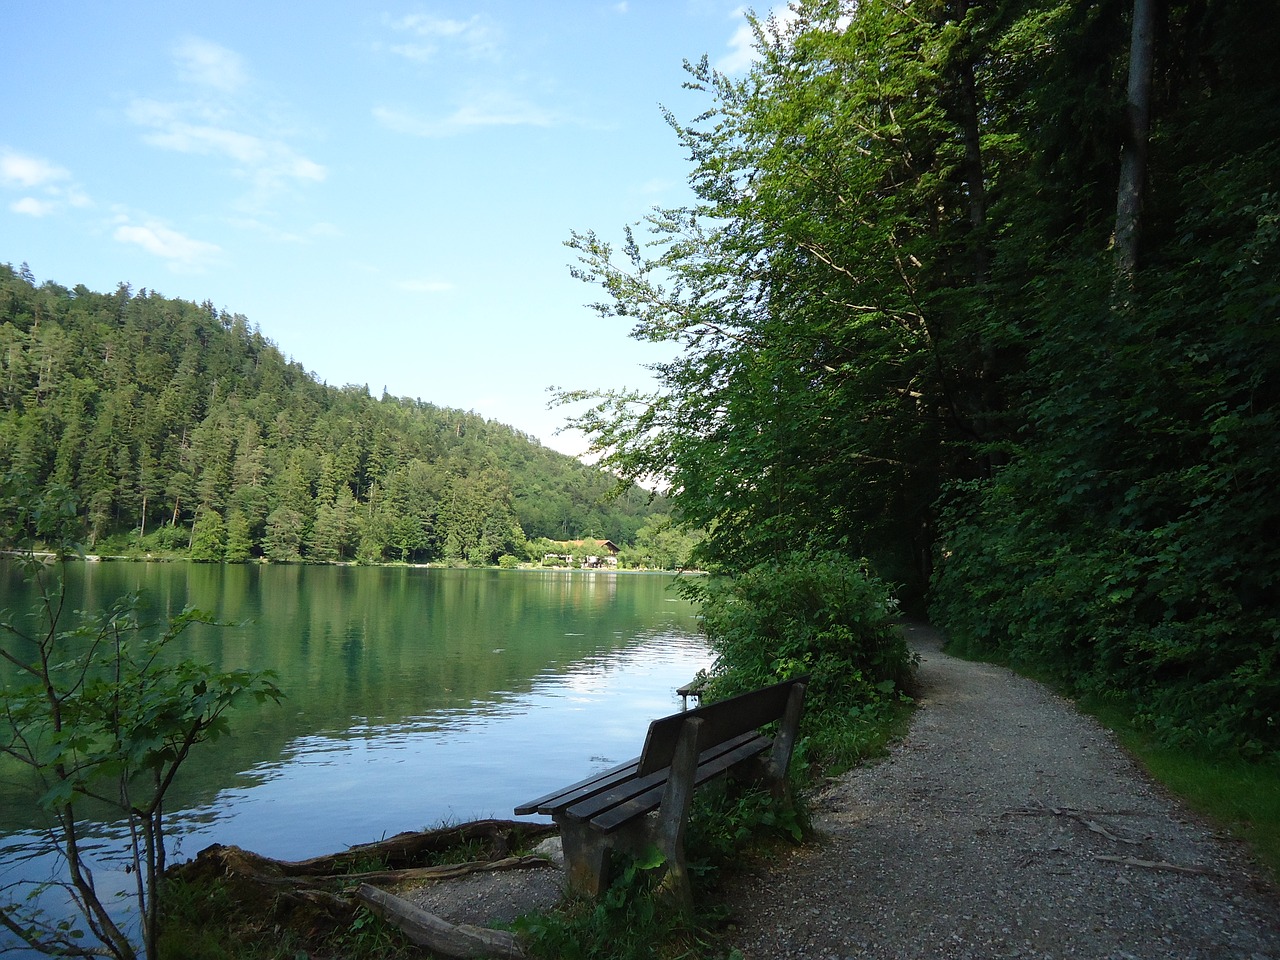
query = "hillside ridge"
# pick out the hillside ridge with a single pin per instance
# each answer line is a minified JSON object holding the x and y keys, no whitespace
{"x":177,"y":426}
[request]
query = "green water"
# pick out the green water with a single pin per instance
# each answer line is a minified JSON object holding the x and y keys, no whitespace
{"x":414,"y":696}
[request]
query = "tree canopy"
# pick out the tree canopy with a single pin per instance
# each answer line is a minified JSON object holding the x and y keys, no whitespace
{"x":986,"y":292}
{"x":178,"y":425}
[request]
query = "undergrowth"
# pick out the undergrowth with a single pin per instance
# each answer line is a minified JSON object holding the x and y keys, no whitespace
{"x":208,"y":920}
{"x":638,"y":918}
{"x":214,"y":913}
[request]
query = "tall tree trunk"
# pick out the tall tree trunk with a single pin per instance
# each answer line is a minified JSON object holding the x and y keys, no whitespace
{"x":975,"y":174}
{"x":1133,"y":153}
{"x":975,"y":179}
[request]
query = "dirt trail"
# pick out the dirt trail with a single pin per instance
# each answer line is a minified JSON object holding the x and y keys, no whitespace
{"x":1005,"y":825}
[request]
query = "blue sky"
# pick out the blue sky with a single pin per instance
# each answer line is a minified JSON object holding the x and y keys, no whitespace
{"x":384,"y":189}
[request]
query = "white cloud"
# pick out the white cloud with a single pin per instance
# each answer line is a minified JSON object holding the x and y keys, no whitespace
{"x":742,"y":45}
{"x":207,"y":64}
{"x":23,"y":170}
{"x":226,"y":120}
{"x":476,"y":37}
{"x":500,"y":112}
{"x":168,"y":244}
{"x":179,"y":127}
{"x":32,"y":207}
{"x":425,"y":25}
{"x":317,"y":231}
{"x":742,"y":51}
{"x":30,"y":173}
{"x":403,"y":122}
{"x":414,"y":51}
{"x":488,"y":111}
{"x":656,"y":185}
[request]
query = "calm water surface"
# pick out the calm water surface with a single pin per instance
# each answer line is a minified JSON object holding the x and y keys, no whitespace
{"x":414,"y":696}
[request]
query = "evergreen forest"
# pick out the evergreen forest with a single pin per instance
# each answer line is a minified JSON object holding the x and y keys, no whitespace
{"x":178,"y":429}
{"x":986,"y":293}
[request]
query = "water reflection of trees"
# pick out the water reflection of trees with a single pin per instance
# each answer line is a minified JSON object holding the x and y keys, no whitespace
{"x":395,"y":646}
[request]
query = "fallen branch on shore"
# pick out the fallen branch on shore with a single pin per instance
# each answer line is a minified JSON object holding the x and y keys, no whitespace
{"x":427,"y":930}
{"x":325,"y":892}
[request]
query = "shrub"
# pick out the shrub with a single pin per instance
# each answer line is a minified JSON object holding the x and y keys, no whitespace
{"x":824,"y":615}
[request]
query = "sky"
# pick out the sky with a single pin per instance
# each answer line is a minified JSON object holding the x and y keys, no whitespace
{"x":384,"y":189}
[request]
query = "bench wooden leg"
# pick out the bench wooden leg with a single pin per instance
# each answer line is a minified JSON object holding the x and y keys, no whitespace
{"x":586,"y":858}
{"x":588,"y":852}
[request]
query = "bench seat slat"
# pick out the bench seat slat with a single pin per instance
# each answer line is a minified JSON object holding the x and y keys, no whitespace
{"x":637,"y":806}
{"x":553,"y":802}
{"x":590,"y":805}
{"x":643,"y":794}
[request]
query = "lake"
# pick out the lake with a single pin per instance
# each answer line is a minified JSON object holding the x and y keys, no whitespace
{"x":414,"y":696}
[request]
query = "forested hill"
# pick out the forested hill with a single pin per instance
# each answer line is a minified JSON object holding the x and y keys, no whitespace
{"x":176,"y":424}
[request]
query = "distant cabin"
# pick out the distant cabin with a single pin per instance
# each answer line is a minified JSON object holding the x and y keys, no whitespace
{"x":605,"y":552}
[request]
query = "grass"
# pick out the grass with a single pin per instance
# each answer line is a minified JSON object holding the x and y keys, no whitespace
{"x":208,"y":919}
{"x":864,"y":736}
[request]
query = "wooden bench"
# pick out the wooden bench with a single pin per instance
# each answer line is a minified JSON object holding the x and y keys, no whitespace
{"x":646,"y":801}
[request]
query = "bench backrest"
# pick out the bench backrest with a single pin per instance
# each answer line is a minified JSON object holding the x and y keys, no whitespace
{"x":722,"y":721}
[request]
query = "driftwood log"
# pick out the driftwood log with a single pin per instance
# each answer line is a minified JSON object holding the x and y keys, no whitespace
{"x":427,"y":930}
{"x":326,"y":892}
{"x":401,"y":856}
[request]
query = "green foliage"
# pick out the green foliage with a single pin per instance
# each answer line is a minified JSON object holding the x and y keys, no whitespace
{"x":635,"y":919}
{"x":208,"y":538}
{"x":661,"y":544}
{"x":1120,"y":549}
{"x":818,"y":614}
{"x":809,"y":403}
{"x":239,"y":543}
{"x":727,"y":819}
{"x":193,"y":915}
{"x":631,"y":921}
{"x":99,"y":714}
{"x":370,"y":936}
{"x":904,"y":334}
{"x":210,"y":919}
{"x":822,"y":615}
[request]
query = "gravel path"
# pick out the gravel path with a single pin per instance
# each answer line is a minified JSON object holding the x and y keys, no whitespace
{"x":1004,"y":825}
